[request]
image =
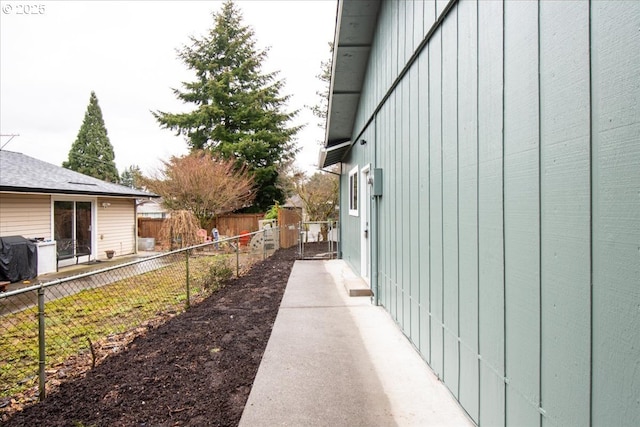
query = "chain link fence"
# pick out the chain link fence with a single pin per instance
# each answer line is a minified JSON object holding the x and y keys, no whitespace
{"x":63,"y":327}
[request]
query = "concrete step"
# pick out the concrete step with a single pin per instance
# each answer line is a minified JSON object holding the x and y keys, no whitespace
{"x":357,"y":287}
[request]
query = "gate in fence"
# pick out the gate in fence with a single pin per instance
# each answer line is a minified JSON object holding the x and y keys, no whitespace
{"x":318,"y":240}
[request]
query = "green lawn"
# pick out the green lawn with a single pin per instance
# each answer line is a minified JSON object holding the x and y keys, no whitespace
{"x":93,"y":314}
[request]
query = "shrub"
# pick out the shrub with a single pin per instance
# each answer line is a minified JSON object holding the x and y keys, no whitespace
{"x":219,"y":272}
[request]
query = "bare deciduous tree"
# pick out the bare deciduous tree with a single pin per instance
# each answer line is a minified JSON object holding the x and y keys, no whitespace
{"x":180,"y":230}
{"x":320,"y":197}
{"x":203,"y":185}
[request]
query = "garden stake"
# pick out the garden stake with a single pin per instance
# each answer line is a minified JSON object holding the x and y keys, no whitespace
{"x":93,"y":353}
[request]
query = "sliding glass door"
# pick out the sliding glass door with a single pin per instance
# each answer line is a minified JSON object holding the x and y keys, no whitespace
{"x":71,"y":225}
{"x":83,"y":223}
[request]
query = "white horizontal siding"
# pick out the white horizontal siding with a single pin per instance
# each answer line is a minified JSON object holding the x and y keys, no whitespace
{"x":116,"y":226}
{"x":25,"y":215}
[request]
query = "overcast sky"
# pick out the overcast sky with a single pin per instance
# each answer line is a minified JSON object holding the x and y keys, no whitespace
{"x":52,"y":57}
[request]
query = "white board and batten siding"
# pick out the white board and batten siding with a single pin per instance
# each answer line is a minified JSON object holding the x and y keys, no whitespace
{"x":116,"y":226}
{"x":508,"y":234}
{"x":25,"y":215}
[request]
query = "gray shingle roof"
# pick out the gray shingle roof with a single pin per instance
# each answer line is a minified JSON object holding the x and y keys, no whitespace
{"x":24,"y":174}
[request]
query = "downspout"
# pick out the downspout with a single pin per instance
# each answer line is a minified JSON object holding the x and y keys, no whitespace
{"x":339,"y":248}
{"x":374,"y":221}
{"x":136,"y":203}
{"x":135,"y":226}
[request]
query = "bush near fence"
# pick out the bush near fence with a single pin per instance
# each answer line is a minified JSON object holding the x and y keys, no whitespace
{"x":66,"y":320}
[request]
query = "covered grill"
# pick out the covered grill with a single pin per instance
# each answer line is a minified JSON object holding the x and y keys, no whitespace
{"x":18,"y":258}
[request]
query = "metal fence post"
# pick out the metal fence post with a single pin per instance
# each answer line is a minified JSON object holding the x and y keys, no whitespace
{"x":238,"y":257}
{"x":334,"y":245}
{"x":301,"y":240}
{"x":41,"y":347}
{"x":188,"y":301}
{"x":329,"y":234}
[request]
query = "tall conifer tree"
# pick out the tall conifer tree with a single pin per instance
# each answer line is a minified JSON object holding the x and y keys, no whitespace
{"x":132,"y":177}
{"x":92,"y":153}
{"x":239,"y":112}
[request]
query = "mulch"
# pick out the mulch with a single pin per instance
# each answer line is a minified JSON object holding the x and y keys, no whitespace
{"x":196,"y":369}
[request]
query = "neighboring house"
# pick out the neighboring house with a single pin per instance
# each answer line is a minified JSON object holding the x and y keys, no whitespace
{"x":152,"y":208}
{"x":490,"y":161}
{"x":41,"y":200}
{"x":295,"y":203}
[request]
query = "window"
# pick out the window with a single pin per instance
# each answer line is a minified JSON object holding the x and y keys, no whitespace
{"x":353,"y":191}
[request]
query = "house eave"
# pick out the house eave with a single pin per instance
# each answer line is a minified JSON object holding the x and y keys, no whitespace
{"x":332,"y":155}
{"x":353,"y":38}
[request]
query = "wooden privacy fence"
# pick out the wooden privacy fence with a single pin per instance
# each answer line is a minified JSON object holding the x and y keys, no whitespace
{"x":227,"y":225}
{"x":289,"y":222}
{"x":234,"y":224}
{"x":150,"y":227}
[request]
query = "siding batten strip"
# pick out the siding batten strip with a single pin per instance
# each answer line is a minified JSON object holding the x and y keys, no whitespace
{"x":591,"y":183}
{"x":458,"y":193}
{"x":478,"y":349}
{"x":504,"y":245}
{"x":429,"y":198}
{"x":442,"y":198}
{"x":540,"y":260}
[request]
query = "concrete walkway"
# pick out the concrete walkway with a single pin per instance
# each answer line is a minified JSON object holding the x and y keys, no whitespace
{"x":335,"y":360}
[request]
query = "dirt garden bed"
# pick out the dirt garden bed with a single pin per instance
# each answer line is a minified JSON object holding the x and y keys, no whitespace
{"x":196,"y":369}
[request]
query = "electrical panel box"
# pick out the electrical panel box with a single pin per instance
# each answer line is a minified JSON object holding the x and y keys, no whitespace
{"x":377,"y":182}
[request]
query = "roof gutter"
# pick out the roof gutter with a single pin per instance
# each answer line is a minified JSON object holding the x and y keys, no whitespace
{"x":23,"y":190}
{"x":331,"y":155}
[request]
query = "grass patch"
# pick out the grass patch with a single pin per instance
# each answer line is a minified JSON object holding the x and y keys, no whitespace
{"x":109,"y":305}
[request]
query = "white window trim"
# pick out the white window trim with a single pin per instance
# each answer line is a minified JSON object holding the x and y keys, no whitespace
{"x":354,"y":173}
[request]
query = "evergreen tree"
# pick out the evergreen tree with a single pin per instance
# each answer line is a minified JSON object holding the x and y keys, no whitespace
{"x":239,"y":112}
{"x":132,"y":177}
{"x":92,"y":153}
{"x":321,"y":109}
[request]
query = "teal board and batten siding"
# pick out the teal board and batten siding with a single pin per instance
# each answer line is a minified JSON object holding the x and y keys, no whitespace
{"x":507,"y":238}
{"x":615,"y":210}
